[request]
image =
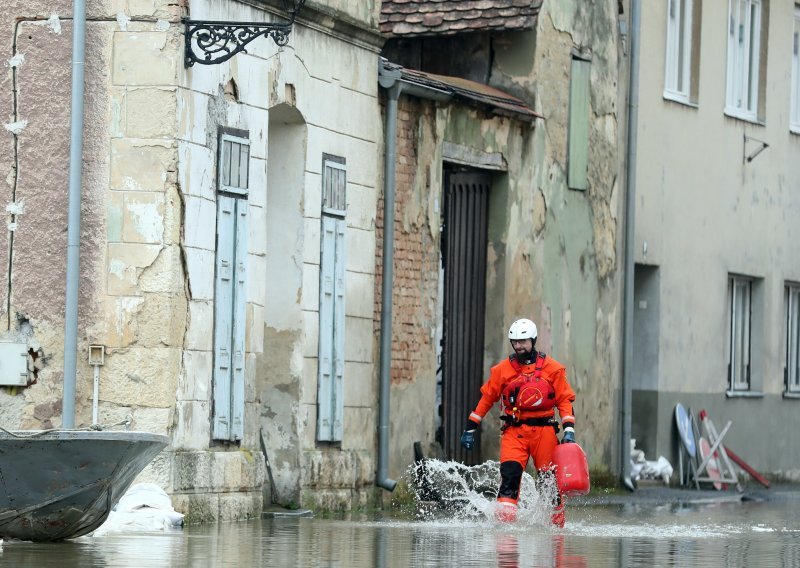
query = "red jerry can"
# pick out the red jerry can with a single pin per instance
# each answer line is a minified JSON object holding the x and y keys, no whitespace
{"x":572,"y":470}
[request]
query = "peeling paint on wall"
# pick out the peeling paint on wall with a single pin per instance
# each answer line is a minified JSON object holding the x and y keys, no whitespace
{"x":17,"y":60}
{"x":123,"y":20}
{"x":14,"y":210}
{"x":16,"y":127}
{"x":53,"y":22}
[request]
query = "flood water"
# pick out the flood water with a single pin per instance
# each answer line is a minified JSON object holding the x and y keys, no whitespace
{"x":719,"y":534}
{"x":460,"y":531}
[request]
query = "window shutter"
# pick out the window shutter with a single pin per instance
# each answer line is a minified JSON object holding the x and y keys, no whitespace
{"x":330,"y":394}
{"x":326,"y":325}
{"x":338,"y":331}
{"x":578,"y":156}
{"x":239,"y":320}
{"x":223,"y":316}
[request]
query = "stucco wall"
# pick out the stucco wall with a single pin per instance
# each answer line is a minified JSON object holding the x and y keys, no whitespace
{"x":131,"y":291}
{"x":553,"y":252}
{"x":125,"y":224}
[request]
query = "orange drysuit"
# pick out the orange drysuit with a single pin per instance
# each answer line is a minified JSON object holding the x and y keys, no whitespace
{"x":522,"y":441}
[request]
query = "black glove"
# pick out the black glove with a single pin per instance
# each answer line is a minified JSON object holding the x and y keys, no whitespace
{"x":568,"y":437}
{"x":468,"y":437}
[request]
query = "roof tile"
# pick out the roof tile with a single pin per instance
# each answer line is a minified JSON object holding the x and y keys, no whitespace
{"x":441,"y":17}
{"x":432,"y":20}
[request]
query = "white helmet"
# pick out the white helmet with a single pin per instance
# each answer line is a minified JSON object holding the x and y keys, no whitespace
{"x":522,"y":329}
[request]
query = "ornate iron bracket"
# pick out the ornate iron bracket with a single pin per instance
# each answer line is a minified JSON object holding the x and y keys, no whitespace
{"x":216,"y":42}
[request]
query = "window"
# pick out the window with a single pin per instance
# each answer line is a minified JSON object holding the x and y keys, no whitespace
{"x":794,"y":122}
{"x":330,"y":388}
{"x":229,"y":286}
{"x":792,"y":369}
{"x":745,"y":58}
{"x":683,"y":49}
{"x":740,"y":312}
{"x":234,"y":164}
{"x":578,"y":143}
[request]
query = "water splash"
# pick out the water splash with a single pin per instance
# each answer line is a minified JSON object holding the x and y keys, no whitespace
{"x":456,"y":492}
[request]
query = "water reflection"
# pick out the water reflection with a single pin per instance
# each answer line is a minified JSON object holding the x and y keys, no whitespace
{"x":736,"y":534}
{"x":556,"y":555}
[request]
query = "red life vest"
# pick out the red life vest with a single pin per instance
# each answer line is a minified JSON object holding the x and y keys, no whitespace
{"x":528,"y":392}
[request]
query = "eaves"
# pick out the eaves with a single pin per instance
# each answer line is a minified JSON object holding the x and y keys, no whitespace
{"x":327,"y":21}
{"x":469,"y":92}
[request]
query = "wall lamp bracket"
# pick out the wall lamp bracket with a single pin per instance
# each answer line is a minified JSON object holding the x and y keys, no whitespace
{"x":210,"y":42}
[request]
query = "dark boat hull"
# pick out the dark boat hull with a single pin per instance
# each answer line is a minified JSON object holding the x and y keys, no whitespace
{"x":61,"y":485}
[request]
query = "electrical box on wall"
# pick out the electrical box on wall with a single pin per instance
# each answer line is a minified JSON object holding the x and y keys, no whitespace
{"x":13,"y":363}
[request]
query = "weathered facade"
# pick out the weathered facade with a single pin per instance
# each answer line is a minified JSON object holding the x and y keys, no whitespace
{"x":717,"y":243}
{"x":549,"y":205}
{"x":227,"y":243}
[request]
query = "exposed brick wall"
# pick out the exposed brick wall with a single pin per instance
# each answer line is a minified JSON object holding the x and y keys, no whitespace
{"x":416,"y":256}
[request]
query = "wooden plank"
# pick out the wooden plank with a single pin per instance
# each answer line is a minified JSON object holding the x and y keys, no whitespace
{"x":223,"y":317}
{"x":745,"y":466}
{"x":326,"y":331}
{"x":239,"y":332}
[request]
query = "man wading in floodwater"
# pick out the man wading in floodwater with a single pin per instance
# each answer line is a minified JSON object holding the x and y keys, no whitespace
{"x":531,"y":386}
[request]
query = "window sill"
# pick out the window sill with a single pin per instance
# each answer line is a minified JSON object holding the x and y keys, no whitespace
{"x":794,"y":129}
{"x":739,"y":115}
{"x":794,"y":395}
{"x":680,"y":99}
{"x":743,"y":394}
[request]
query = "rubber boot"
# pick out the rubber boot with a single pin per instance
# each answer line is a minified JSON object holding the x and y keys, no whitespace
{"x":557,"y":517}
{"x":506,"y":512}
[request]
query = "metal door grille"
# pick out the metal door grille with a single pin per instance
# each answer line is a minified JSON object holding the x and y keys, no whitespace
{"x":466,"y":206}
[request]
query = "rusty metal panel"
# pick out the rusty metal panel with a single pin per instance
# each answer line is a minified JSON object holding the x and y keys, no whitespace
{"x":466,"y":207}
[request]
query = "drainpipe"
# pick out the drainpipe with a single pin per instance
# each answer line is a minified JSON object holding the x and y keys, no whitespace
{"x":74,"y":212}
{"x":389,"y":79}
{"x":630,"y":218}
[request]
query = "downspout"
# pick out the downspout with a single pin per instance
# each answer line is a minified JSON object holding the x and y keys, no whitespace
{"x":630,"y":229}
{"x":393,"y":93}
{"x":74,"y":213}
{"x":389,"y":79}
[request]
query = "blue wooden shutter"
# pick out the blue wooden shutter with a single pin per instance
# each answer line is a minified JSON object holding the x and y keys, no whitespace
{"x":338,"y":332}
{"x":230,"y":300}
{"x":239,"y":320}
{"x":330,"y":393}
{"x":230,"y":303}
{"x":223,"y":315}
{"x":326,"y":343}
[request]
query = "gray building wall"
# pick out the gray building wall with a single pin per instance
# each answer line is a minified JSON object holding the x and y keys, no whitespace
{"x":703,"y":212}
